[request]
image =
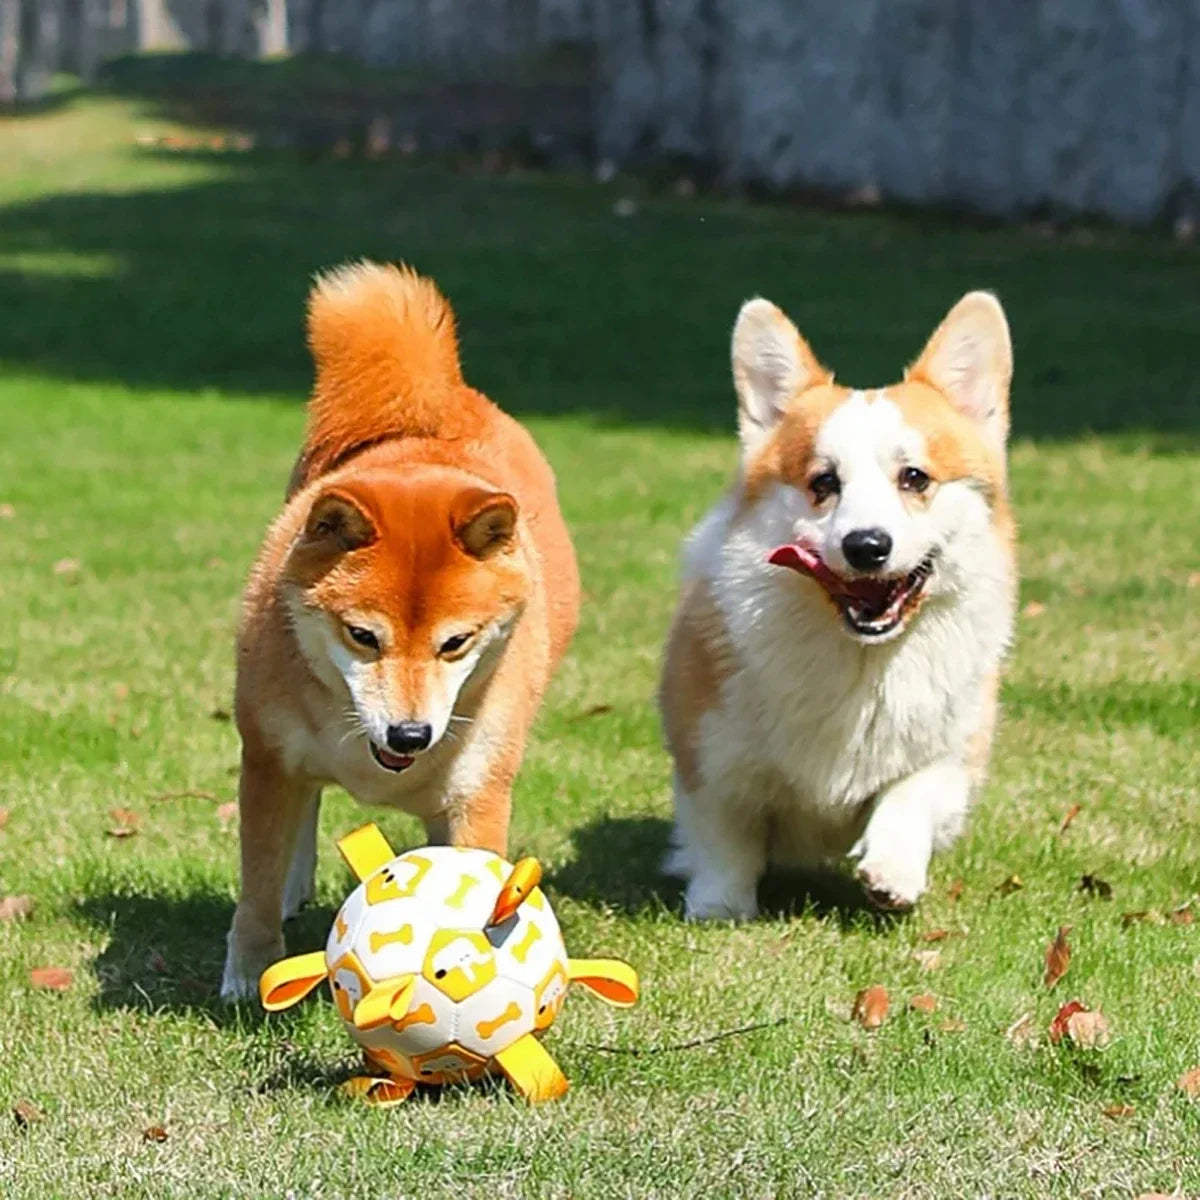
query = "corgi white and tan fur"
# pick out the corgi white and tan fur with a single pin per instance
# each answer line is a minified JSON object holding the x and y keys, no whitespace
{"x":830,"y":680}
{"x":406,"y":610}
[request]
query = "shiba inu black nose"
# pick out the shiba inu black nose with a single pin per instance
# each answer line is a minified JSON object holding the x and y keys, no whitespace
{"x":867,"y":549}
{"x":407,"y":737}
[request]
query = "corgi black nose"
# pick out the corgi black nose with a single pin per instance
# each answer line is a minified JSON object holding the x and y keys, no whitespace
{"x":867,"y":549}
{"x":407,"y":737}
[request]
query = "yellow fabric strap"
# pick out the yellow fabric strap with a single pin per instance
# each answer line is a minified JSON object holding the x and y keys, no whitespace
{"x":284,"y":983}
{"x":365,"y":851}
{"x":384,"y":1003}
{"x":377,"y":1091}
{"x":609,"y":978}
{"x":531,"y":1070}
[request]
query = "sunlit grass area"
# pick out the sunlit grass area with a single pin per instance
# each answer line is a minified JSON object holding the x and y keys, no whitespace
{"x":152,"y":371}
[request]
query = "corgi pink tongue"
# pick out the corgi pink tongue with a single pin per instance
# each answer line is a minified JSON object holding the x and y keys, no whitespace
{"x":808,"y":562}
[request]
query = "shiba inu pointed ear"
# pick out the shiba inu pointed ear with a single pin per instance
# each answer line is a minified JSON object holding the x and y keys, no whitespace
{"x":484,"y":522}
{"x":969,"y":360}
{"x":772,"y":363}
{"x":339,"y":522}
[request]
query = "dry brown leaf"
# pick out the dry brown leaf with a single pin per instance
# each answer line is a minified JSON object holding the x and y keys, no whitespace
{"x":1058,"y":957}
{"x":929,"y":960}
{"x":1058,"y":1027}
{"x":926,"y":1002}
{"x":935,"y":935}
{"x":1116,"y":1111}
{"x":1142,"y":916}
{"x":1022,"y":1031}
{"x":125,"y":823}
{"x":952,"y":1025}
{"x":871,"y":1007}
{"x":154,"y":1133}
{"x":1071,"y":814}
{"x":227,"y":813}
{"x":67,"y":566}
{"x":4,"y":814}
{"x":1189,"y":1081}
{"x":1193,"y":579}
{"x":1034,"y":608}
{"x":1088,"y":1030}
{"x":26,"y":1113}
{"x":955,"y":890}
{"x":56,"y":979}
{"x":1183,"y":915}
{"x":1011,"y":884}
{"x":7,"y":512}
{"x":16,"y":908}
{"x":1093,"y":885}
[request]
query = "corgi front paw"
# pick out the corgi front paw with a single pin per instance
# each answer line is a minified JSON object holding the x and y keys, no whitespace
{"x":712,"y":899}
{"x":891,"y":886}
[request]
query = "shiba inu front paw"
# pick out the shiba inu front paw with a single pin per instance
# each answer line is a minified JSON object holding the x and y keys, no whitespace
{"x":243,"y":967}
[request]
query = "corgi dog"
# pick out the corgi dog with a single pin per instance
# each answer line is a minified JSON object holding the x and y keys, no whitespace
{"x":830,"y":679}
{"x":406,"y":610}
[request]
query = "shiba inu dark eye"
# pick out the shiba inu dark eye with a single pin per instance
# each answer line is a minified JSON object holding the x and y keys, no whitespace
{"x":913,"y":479}
{"x":364,"y":637}
{"x":824,"y":485}
{"x":453,"y":644}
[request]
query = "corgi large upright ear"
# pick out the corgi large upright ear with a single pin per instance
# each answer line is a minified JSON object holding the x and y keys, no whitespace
{"x":772,"y":363}
{"x":969,"y":360}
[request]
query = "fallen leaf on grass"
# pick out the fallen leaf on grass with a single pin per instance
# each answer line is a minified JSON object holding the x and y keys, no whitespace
{"x":121,"y":691}
{"x":67,"y":566}
{"x":1023,"y":1031}
{"x":1058,"y":1027}
{"x":55,"y":979}
{"x":154,"y":1133}
{"x":597,"y":710}
{"x":1093,"y":885}
{"x":1034,"y":608}
{"x":15,"y":908}
{"x":1088,"y":1030}
{"x":1072,"y":813}
{"x":1183,"y":915}
{"x":1116,"y":1111}
{"x":955,"y":890}
{"x":926,"y":1002}
{"x":26,"y":1113}
{"x":1011,"y":884}
{"x":227,"y":813}
{"x":1058,"y":957}
{"x":952,"y":1025}
{"x":935,"y":935}
{"x":7,"y":512}
{"x":929,"y":960}
{"x":1145,"y":915}
{"x":871,"y":1007}
{"x":3,"y":817}
{"x":125,"y":823}
{"x":1189,"y":1082}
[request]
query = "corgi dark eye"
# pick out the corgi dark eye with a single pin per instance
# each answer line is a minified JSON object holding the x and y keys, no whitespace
{"x":453,"y":644}
{"x":364,"y":637}
{"x":913,"y":479}
{"x":824,"y":485}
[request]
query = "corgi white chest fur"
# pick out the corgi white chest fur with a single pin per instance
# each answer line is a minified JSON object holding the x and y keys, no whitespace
{"x":843,"y":705}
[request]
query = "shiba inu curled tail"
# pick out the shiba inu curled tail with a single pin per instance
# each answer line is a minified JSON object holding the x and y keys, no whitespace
{"x":407,"y":608}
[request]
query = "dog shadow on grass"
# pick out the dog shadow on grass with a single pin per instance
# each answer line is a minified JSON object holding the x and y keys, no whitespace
{"x":164,"y":953}
{"x":618,"y":865}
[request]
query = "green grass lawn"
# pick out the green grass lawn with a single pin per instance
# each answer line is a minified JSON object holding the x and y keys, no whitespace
{"x":151,"y":373}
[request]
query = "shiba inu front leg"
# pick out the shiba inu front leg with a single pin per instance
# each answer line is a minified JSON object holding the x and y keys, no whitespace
{"x":721,"y":850}
{"x":273,"y":808}
{"x":479,"y":821}
{"x":910,"y":818}
{"x":300,"y":886}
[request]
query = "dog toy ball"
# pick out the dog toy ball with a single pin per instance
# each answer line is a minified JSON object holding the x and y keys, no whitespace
{"x":445,"y":964}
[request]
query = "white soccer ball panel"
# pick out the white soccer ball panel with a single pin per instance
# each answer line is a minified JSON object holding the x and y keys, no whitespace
{"x":495,"y":1017}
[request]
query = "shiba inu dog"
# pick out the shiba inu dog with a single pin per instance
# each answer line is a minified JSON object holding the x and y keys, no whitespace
{"x":407,"y":607}
{"x":830,"y":679}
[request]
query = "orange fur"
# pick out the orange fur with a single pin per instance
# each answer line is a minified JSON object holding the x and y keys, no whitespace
{"x":419,"y":508}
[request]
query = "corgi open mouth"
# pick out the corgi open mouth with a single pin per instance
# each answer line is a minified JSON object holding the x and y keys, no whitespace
{"x":389,"y":761}
{"x":871,"y":607}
